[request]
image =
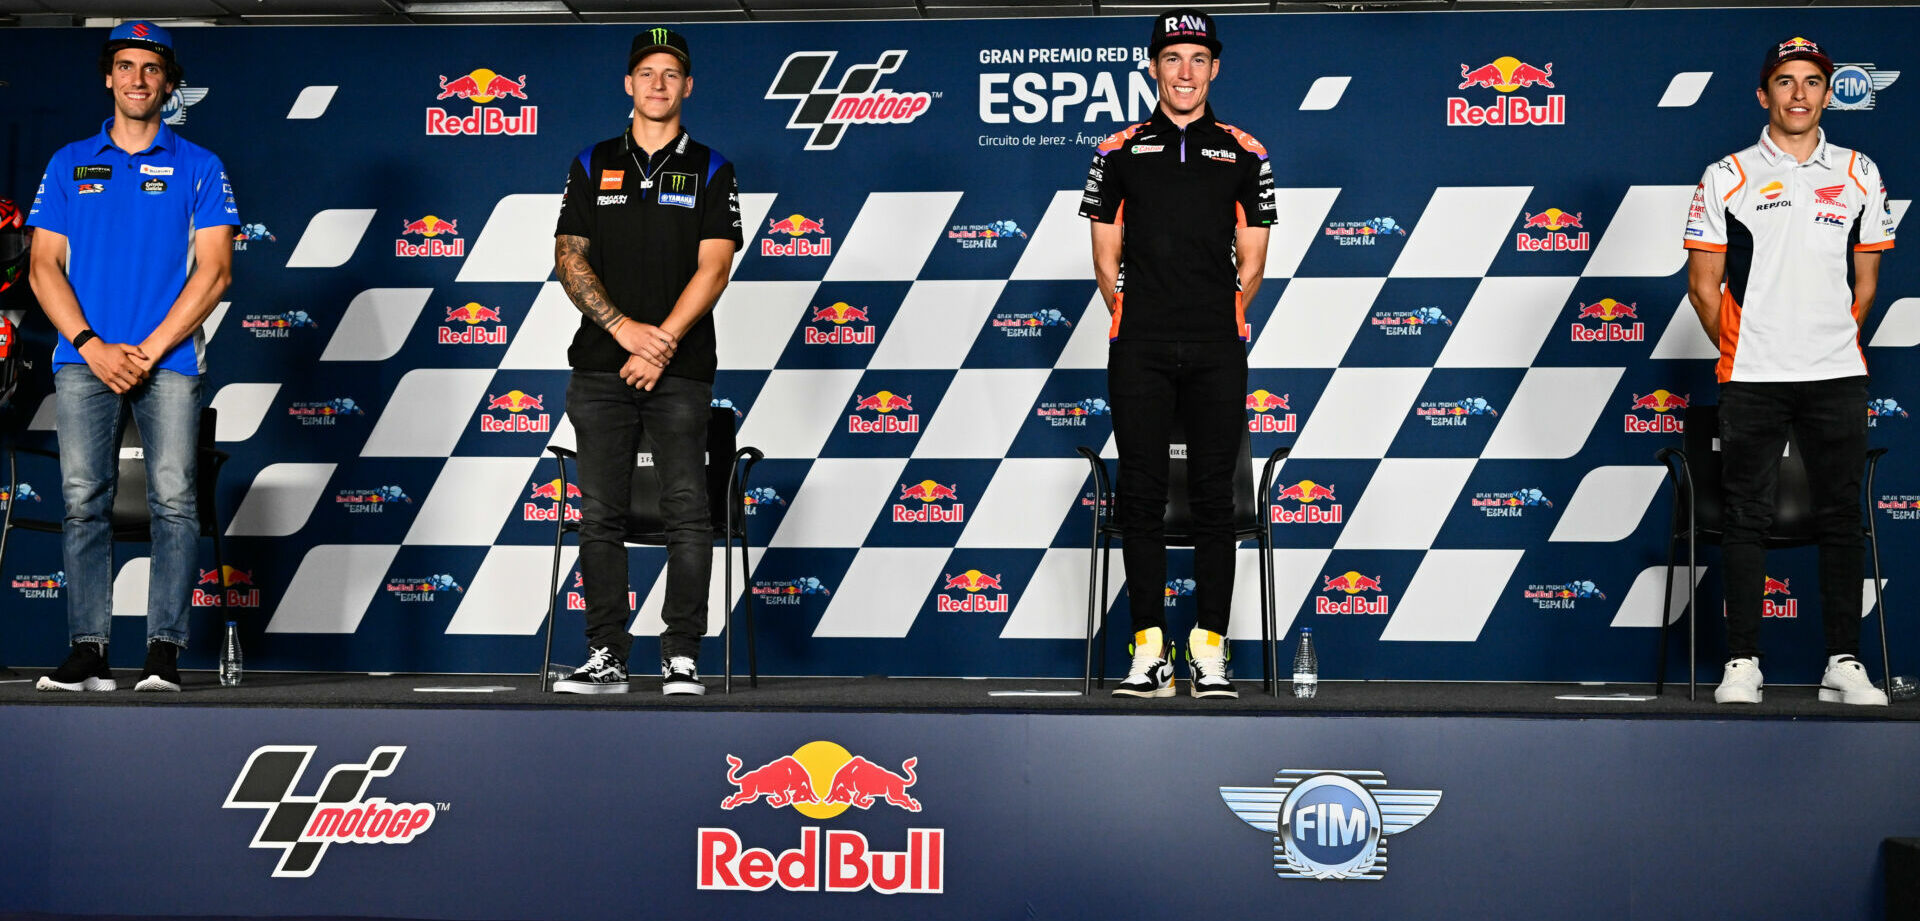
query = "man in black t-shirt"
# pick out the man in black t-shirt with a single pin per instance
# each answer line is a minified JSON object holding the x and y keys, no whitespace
{"x":1180,"y":206}
{"x":647,"y":233}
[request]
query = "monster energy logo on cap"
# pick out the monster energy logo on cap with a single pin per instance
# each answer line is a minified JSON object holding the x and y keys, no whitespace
{"x":659,"y":39}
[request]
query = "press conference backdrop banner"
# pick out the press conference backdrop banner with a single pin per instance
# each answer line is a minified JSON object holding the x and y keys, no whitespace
{"x":1473,"y":331}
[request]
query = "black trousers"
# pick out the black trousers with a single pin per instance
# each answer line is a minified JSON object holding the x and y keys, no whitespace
{"x":1829,"y":420}
{"x":1156,"y":388}
{"x":610,"y":419}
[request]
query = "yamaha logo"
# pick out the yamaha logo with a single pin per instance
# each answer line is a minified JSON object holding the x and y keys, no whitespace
{"x":858,"y":100}
{"x":1330,"y":824}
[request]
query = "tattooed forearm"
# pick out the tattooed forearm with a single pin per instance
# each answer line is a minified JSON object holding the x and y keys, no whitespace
{"x":582,"y":286}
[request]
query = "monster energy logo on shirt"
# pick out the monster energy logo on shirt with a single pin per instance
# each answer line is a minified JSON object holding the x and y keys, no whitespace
{"x":677,"y":189}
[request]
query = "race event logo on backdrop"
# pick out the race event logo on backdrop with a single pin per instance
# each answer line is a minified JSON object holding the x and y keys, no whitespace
{"x":1854,"y":86}
{"x":175,"y":111}
{"x":482,"y":87}
{"x":1510,"y":504}
{"x":338,"y":812}
{"x":1561,"y":596}
{"x":821,"y":780}
{"x":1330,"y":824}
{"x":1506,"y":74}
{"x":858,"y":100}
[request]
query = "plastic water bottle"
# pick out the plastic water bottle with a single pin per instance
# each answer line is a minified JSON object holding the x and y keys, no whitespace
{"x":230,"y":657}
{"x":1306,"y":666}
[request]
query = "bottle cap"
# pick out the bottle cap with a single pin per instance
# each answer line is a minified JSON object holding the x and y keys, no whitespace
{"x":1304,"y":631}
{"x":233,"y":623}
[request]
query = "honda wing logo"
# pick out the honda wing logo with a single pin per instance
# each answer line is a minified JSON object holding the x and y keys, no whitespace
{"x":302,"y":826}
{"x":858,"y":100}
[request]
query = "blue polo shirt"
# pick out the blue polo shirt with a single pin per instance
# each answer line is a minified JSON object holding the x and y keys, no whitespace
{"x":129,"y":220}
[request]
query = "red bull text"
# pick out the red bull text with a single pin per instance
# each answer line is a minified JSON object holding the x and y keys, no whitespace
{"x":432,"y":228}
{"x":1308,"y":494}
{"x":482,"y":87}
{"x":927,"y":493}
{"x":515,"y":403}
{"x":885,"y":403}
{"x":1609,"y":312}
{"x":1554,"y":221}
{"x":974,"y":583}
{"x":469,"y":331}
{"x":786,"y":237}
{"x":1662,"y":403}
{"x":1506,"y":74}
{"x":1351,"y":584}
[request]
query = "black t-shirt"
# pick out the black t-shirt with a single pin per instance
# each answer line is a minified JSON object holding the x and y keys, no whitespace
{"x":643,"y":218}
{"x":1182,"y":193}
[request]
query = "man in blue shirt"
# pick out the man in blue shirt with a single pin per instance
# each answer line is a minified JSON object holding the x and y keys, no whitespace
{"x":132,"y":248}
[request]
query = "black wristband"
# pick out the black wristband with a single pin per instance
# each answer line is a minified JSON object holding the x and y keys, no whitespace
{"x":85,"y":336}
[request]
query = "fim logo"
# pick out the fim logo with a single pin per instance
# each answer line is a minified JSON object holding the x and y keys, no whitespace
{"x":431,"y":228}
{"x":1351,"y":584}
{"x":1885,"y":408}
{"x":883,"y":402}
{"x":1661,"y":402}
{"x":1261,"y":403}
{"x":303,"y":827}
{"x":795,"y":227}
{"x":1308,"y":494}
{"x":1786,"y":608}
{"x":821,"y":780}
{"x":470,"y":315}
{"x":1510,"y":504}
{"x":1609,"y":312}
{"x":514,"y":403}
{"x":972,"y":582}
{"x":1553,"y":221}
{"x":929,"y":492}
{"x":1506,"y":74}
{"x":481,"y":87}
{"x":858,"y":100}
{"x":1854,"y":86}
{"x":840,"y":313}
{"x":175,"y":111}
{"x":1330,"y":824}
{"x":229,"y":579}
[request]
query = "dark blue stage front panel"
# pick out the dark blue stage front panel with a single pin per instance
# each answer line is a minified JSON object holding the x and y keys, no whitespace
{"x":525,"y":814}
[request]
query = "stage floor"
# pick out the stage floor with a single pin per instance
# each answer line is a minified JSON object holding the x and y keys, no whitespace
{"x":878,"y":694}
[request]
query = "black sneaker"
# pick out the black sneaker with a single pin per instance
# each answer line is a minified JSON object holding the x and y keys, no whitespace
{"x":603,"y":674}
{"x":1150,"y":676}
{"x":679,"y":676}
{"x":85,"y":670}
{"x":162,"y":671}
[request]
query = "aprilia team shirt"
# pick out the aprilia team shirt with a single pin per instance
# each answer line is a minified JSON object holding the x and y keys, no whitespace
{"x":644,"y":218}
{"x":129,"y":220}
{"x":1181,"y":192}
{"x":1790,"y":230}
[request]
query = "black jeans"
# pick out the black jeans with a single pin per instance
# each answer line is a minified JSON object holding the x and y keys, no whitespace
{"x":1200,"y":387}
{"x":610,"y":420}
{"x":1829,"y":420}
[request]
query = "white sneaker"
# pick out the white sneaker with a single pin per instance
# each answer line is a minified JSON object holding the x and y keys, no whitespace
{"x":1740,"y":683}
{"x":1846,"y":682}
{"x":679,"y":676}
{"x":1151,"y":674}
{"x":1207,"y":665}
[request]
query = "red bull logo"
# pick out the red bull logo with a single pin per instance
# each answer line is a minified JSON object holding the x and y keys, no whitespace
{"x":1609,"y":312}
{"x":794,"y":227}
{"x":431,"y":228}
{"x":550,"y":491}
{"x":884,"y":402}
{"x":839,"y":314}
{"x":1308,"y":494}
{"x":929,"y":492}
{"x":520,"y":406}
{"x":1506,"y":74}
{"x":1661,"y":402}
{"x":973,"y":581}
{"x":227,"y":592}
{"x":1262,"y":403}
{"x":1555,"y":222}
{"x":820,"y":780}
{"x":470,"y":315}
{"x":1785,"y":609}
{"x":482,"y":87}
{"x":1350,"y":583}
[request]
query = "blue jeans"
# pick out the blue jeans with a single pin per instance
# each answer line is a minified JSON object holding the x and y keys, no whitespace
{"x":92,"y":419}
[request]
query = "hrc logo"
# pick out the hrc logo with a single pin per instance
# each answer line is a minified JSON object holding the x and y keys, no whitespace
{"x":1330,"y":824}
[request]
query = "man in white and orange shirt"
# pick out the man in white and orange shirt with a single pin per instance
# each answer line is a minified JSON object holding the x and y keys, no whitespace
{"x":1794,"y":227}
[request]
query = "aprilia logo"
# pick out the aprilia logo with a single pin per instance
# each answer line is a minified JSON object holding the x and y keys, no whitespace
{"x":303,"y":826}
{"x":857,"y":101}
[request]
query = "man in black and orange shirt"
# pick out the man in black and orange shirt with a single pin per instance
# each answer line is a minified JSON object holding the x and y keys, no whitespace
{"x":646,"y":238}
{"x":1180,"y":206}
{"x":1795,"y":227}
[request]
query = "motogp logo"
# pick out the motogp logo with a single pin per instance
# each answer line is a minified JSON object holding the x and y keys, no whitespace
{"x":338,"y":813}
{"x":858,"y":100}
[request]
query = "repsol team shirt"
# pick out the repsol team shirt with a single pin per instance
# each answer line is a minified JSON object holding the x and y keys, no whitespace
{"x":1790,"y":230}
{"x":1181,"y":192}
{"x":129,"y":220}
{"x":644,"y":218}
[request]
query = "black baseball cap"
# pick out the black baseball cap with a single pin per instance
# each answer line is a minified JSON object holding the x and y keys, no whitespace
{"x":1794,"y":49}
{"x":658,"y":39}
{"x":1184,"y":26}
